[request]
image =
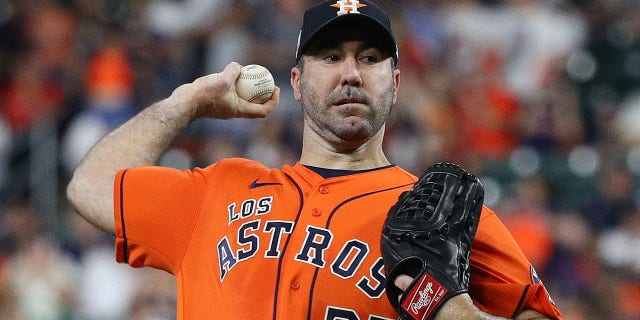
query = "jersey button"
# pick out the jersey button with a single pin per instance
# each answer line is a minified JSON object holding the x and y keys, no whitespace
{"x":316,"y":212}
{"x":295,"y":285}
{"x":323,"y":189}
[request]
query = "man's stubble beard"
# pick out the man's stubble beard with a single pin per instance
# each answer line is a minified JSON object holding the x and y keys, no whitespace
{"x":342,"y":133}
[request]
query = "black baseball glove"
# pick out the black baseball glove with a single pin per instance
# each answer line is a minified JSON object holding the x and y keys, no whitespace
{"x":427,"y":235}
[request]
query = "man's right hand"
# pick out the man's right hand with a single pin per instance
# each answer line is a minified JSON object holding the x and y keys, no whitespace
{"x":215,"y":96}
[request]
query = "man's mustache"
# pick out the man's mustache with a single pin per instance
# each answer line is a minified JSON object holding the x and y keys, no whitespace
{"x":349,"y":94}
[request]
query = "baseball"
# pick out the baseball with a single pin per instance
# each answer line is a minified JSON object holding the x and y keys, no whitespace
{"x":255,"y":84}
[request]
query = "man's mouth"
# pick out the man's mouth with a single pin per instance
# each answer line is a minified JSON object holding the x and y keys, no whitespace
{"x":349,"y":101}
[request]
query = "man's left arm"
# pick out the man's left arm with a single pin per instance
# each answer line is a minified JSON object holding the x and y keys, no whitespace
{"x":462,"y":307}
{"x":426,"y":244}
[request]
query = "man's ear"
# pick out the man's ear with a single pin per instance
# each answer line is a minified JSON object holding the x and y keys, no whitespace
{"x":396,"y":82}
{"x":295,"y":83}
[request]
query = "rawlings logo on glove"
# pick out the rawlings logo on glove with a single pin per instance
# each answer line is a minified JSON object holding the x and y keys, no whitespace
{"x":426,"y":299}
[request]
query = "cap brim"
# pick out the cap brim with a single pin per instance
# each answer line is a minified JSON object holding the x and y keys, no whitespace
{"x":351,"y":18}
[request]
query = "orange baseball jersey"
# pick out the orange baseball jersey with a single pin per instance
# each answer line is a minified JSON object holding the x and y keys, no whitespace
{"x":248,"y":242}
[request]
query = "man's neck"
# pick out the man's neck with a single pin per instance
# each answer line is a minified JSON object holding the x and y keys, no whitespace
{"x":320,"y":153}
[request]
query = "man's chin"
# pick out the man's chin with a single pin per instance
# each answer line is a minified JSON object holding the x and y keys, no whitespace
{"x":353,"y":131}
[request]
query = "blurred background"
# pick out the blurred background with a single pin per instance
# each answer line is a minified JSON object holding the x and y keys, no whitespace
{"x":540,"y":98}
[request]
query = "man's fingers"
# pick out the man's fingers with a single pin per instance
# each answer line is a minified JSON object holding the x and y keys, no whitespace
{"x":232,"y":72}
{"x":403,"y":281}
{"x":255,"y":110}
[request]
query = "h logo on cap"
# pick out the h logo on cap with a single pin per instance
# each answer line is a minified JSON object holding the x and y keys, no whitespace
{"x":348,"y":6}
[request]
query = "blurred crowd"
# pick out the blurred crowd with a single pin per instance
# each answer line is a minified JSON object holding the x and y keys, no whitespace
{"x":540,"y":98}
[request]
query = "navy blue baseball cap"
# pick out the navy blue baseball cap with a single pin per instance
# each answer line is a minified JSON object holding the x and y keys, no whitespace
{"x":329,"y":13}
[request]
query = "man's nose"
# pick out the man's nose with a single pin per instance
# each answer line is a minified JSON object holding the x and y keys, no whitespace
{"x":351,"y":72}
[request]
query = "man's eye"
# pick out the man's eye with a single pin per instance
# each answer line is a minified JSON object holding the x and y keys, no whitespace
{"x":331,"y":58}
{"x":370,"y":59}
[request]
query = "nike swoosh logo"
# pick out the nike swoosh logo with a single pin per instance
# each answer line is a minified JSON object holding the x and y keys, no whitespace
{"x":256,"y":184}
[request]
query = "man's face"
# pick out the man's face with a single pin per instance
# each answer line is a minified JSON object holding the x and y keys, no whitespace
{"x":347,"y":86}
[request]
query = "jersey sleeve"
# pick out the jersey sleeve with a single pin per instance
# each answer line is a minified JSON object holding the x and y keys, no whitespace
{"x":155,"y":211}
{"x":503,"y":281}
